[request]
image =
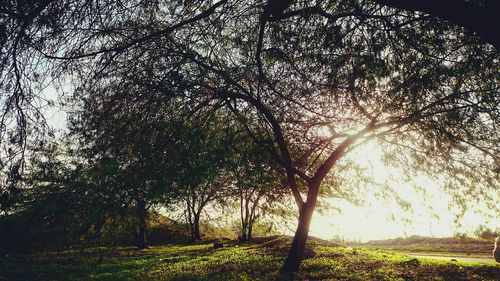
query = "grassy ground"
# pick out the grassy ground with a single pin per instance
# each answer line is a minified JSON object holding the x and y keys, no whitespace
{"x":250,"y":261}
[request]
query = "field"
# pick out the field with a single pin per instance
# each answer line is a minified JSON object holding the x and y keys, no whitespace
{"x":468,"y":245}
{"x":259,"y":260}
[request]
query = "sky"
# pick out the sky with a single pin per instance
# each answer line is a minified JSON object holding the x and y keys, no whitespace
{"x":431,"y":215}
{"x":374,"y":223}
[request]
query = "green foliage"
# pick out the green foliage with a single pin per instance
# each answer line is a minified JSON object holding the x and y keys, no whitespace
{"x":59,"y":206}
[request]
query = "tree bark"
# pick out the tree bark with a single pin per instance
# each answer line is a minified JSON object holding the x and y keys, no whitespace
{"x":251,"y":220}
{"x":244,"y":231}
{"x":196,"y":236}
{"x":193,"y":218}
{"x":244,"y":215}
{"x":249,"y":231}
{"x":140,"y":235}
{"x":297,"y":249}
{"x":244,"y":237}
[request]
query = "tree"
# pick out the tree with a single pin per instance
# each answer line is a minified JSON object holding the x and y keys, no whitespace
{"x":202,"y":157}
{"x":197,"y":199}
{"x":42,"y":39}
{"x":258,"y":184}
{"x":420,"y":96}
{"x":129,"y":152}
{"x":61,"y":206}
{"x":486,"y":233}
{"x":316,"y":81}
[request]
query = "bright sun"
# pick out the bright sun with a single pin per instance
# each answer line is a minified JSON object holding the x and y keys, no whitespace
{"x":431,"y":215}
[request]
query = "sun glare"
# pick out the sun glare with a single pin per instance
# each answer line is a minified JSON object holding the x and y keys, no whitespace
{"x":431,"y":214}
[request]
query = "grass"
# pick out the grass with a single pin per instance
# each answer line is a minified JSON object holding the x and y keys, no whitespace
{"x":249,"y":261}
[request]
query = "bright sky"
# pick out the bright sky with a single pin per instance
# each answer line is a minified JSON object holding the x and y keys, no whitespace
{"x":56,"y":117}
{"x":373,"y":223}
{"x":430,"y":216}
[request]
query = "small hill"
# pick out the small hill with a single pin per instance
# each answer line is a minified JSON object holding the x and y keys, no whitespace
{"x":430,"y":244}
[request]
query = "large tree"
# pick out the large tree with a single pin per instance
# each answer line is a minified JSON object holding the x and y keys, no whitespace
{"x":316,"y":90}
{"x":38,"y":38}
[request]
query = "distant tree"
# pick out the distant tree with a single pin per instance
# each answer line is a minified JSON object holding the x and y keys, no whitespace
{"x":202,"y":156}
{"x":258,"y":184}
{"x":486,"y":233}
{"x":199,"y":197}
{"x":61,"y":205}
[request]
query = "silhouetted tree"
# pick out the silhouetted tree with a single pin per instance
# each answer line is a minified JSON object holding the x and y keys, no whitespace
{"x":39,"y":38}
{"x":432,"y":104}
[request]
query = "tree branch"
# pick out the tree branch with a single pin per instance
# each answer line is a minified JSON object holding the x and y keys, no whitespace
{"x":208,"y":12}
{"x":481,"y":19}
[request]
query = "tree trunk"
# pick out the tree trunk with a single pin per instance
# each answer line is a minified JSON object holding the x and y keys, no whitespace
{"x":298,"y":246}
{"x":249,"y":235}
{"x":244,"y":227}
{"x":244,"y":236}
{"x":140,"y":235}
{"x":252,"y":217}
{"x":191,"y":232}
{"x":244,"y":213}
{"x":195,"y":235}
